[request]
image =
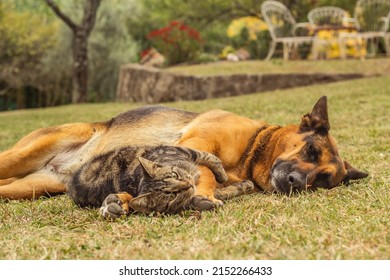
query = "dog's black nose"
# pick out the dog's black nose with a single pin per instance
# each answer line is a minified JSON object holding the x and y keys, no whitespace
{"x":296,"y":180}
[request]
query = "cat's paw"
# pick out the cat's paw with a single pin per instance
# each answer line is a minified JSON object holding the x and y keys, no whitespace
{"x":221,"y":176}
{"x":219,"y":171}
{"x":112,"y":207}
{"x":202,"y":203}
{"x":234,"y":190}
{"x":247,"y":186}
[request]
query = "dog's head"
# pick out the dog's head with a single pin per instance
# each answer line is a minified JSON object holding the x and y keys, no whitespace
{"x":307,"y":156}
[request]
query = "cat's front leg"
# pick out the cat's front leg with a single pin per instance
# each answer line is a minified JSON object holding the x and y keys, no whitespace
{"x":235,"y":186}
{"x":234,"y":190}
{"x":115,"y":205}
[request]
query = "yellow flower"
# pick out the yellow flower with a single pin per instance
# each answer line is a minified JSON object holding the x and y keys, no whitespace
{"x":226,"y":50}
{"x":253,"y":24}
{"x":354,"y":46}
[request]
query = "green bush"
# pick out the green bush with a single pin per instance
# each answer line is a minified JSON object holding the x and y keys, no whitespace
{"x":259,"y":48}
{"x":177,"y":42}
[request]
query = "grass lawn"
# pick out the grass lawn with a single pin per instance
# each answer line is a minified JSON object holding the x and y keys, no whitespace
{"x":369,"y":67}
{"x":348,"y":222}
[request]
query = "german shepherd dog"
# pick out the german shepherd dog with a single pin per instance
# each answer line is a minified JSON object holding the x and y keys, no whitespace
{"x":274,"y":158}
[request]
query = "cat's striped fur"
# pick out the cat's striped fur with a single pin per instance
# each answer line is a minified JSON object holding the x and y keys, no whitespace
{"x":158,"y":178}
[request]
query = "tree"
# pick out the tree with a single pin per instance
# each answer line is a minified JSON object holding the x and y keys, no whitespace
{"x":80,"y":37}
{"x":26,"y":38}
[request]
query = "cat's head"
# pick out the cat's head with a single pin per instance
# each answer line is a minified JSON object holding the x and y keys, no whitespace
{"x":165,"y":188}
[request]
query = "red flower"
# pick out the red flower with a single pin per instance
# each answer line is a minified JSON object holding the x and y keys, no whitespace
{"x":183,"y":27}
{"x":152,"y":34}
{"x":194,"y":34}
{"x":145,"y":52}
{"x":176,"y":23}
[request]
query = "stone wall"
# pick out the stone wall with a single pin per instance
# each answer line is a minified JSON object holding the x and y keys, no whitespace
{"x":151,"y":85}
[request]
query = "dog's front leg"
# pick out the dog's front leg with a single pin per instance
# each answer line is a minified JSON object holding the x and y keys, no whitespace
{"x":205,"y":188}
{"x":204,"y":195}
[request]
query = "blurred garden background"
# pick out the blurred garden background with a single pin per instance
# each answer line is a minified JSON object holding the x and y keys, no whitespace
{"x":57,"y":52}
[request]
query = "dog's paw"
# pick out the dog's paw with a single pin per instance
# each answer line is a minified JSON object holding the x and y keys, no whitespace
{"x":202,"y":203}
{"x":112,"y":207}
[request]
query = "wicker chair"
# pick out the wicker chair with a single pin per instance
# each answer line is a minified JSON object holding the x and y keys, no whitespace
{"x":283,"y":28}
{"x":372,"y":19}
{"x":386,"y":38}
{"x":326,"y":16}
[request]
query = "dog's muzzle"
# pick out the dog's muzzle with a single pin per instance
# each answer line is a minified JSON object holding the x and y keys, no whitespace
{"x":286,"y":178}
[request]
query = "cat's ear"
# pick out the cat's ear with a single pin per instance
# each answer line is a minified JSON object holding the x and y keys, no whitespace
{"x":150,"y":167}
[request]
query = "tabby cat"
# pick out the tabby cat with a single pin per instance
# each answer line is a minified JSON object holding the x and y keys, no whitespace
{"x":159,"y":179}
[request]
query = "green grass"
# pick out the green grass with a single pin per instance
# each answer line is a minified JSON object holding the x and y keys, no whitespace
{"x":369,"y":67}
{"x":344,"y":223}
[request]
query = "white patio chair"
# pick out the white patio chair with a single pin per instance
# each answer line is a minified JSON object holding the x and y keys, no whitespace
{"x":327,"y":16}
{"x":372,"y":18}
{"x":387,"y":39}
{"x":283,"y":28}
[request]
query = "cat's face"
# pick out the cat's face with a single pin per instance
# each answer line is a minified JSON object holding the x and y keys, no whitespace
{"x":165,"y":188}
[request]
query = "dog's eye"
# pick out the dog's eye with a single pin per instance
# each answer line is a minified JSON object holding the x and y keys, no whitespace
{"x":322,"y":180}
{"x":312,"y":153}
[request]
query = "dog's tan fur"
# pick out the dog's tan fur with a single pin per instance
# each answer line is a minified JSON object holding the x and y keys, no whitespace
{"x":44,"y":161}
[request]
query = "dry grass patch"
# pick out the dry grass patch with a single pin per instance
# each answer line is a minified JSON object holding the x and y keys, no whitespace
{"x":349,"y":222}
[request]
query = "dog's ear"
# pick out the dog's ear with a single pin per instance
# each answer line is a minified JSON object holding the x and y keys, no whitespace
{"x":353,"y":173}
{"x":317,"y":120}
